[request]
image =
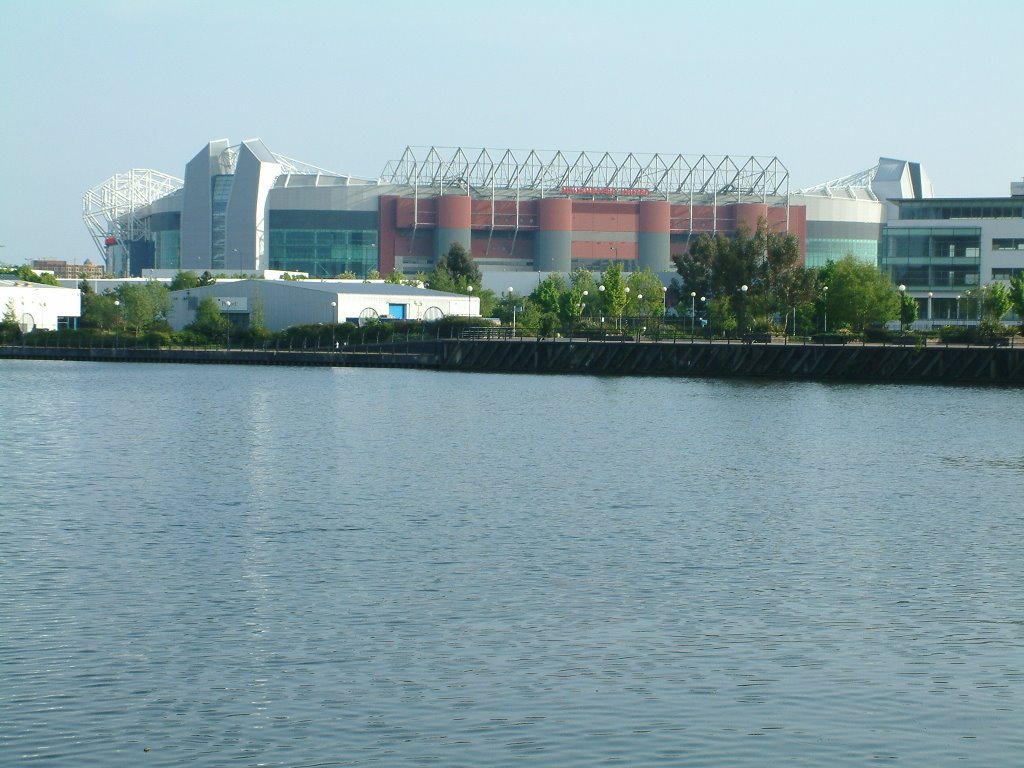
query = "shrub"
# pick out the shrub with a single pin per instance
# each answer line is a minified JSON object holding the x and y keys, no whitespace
{"x":876,"y":334}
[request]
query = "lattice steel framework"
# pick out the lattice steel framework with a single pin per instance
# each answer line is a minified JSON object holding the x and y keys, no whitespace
{"x":533,"y":173}
{"x":110,"y":209}
{"x":228,"y":160}
{"x":860,"y":181}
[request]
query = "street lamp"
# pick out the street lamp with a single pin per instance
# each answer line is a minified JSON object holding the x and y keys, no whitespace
{"x":334,"y":322}
{"x":469,"y":301}
{"x":743,"y":318}
{"x":903,"y":291}
{"x":664,"y":300}
{"x":930,"y":319}
{"x":824,"y":301}
{"x":512,"y":298}
{"x":958,"y":297}
{"x":703,"y":300}
{"x":693,"y":312}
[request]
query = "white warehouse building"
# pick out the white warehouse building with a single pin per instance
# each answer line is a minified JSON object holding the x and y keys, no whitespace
{"x":37,"y":305}
{"x":284,"y":303}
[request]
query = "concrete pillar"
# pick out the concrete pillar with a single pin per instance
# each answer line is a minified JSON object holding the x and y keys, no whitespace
{"x":653,"y":235}
{"x":454,"y":218}
{"x":554,"y":238}
{"x":749,"y":214}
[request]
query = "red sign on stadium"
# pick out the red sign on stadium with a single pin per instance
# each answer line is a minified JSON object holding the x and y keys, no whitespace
{"x":612,"y":191}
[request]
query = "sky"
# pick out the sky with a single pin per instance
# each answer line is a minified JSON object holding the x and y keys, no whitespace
{"x":92,"y":89}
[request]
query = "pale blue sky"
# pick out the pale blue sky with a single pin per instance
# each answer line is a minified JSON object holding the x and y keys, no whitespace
{"x":90,"y":89}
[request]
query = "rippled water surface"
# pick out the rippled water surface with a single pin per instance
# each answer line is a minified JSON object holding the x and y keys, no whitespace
{"x":214,"y":566}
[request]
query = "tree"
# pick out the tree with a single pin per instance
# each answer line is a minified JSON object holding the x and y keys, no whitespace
{"x":257,"y":320}
{"x":765,"y":261}
{"x":996,"y":302}
{"x":143,"y":305}
{"x":721,"y":318}
{"x":208,"y":278}
{"x":99,"y":310}
{"x":613,"y":295}
{"x":648,"y":285}
{"x":797,"y":289}
{"x":858,"y":294}
{"x":1017,"y":294}
{"x":548,"y":294}
{"x":461,"y":266}
{"x":183,"y":281}
{"x":908,"y":309}
{"x":28,"y":275}
{"x":441,"y":279}
{"x":9,"y":327}
{"x":209,"y":321}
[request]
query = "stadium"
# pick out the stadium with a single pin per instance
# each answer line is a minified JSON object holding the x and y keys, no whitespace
{"x":243,"y":208}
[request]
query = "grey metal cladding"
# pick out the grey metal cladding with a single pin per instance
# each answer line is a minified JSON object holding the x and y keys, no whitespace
{"x":197,"y":207}
{"x":843,"y":230}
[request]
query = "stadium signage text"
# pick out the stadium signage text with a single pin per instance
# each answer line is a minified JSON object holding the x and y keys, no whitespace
{"x":614,"y":191}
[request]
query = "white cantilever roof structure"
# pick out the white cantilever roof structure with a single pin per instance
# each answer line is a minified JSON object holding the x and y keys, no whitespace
{"x":108,"y":209}
{"x":890,"y":178}
{"x":511,"y":173}
{"x":855,"y":186}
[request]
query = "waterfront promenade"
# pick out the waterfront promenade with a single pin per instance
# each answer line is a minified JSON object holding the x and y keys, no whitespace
{"x":952,"y":364}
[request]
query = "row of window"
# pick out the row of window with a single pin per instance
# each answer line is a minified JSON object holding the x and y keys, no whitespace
{"x":1007,"y":272}
{"x":917,"y":277}
{"x":1008,"y":244}
{"x":821,"y":250}
{"x":982,"y":209}
{"x":323,"y":252}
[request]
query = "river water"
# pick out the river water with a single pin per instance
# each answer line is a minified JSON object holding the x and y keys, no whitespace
{"x":210,"y":566}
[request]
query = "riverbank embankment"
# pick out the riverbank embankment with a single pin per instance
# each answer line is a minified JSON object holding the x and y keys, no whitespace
{"x":948,"y":364}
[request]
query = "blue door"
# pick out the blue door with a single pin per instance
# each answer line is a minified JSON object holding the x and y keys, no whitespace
{"x":396,"y":311}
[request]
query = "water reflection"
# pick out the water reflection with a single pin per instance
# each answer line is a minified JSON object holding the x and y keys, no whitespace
{"x":298,"y":567}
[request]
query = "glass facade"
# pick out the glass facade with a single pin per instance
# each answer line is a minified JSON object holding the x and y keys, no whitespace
{"x":987,"y":208}
{"x":820,"y":251}
{"x":165,"y":231}
{"x":323,"y":243}
{"x":943,"y":258}
{"x":222,"y":186}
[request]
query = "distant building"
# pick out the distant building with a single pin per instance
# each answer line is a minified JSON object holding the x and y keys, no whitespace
{"x":63,"y":269}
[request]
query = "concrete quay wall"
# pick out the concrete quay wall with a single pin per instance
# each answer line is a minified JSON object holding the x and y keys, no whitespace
{"x":811,"y":362}
{"x":817,"y":362}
